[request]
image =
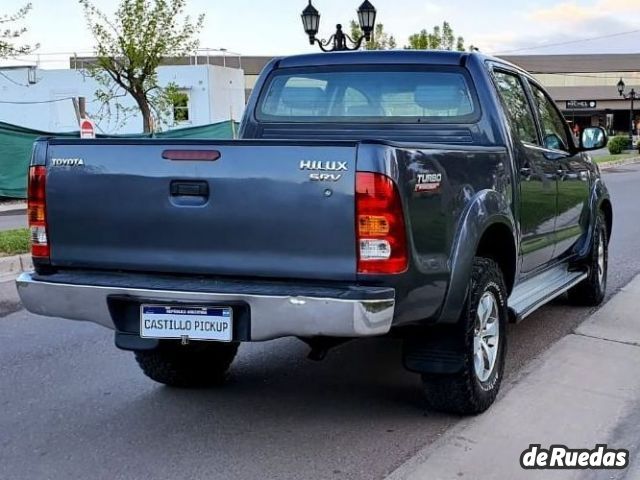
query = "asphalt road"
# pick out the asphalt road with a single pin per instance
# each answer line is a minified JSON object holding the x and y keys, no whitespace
{"x":72,"y":406}
{"x":9,"y":222}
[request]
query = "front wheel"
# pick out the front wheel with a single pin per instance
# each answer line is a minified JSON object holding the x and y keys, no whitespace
{"x":194,"y":365}
{"x":482,"y":327}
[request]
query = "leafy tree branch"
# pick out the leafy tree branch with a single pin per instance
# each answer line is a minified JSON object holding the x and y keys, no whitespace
{"x":10,"y":34}
{"x":130,"y":47}
{"x":380,"y":40}
{"x":440,"y":38}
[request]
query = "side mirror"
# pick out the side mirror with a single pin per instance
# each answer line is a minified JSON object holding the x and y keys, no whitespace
{"x":593,"y":138}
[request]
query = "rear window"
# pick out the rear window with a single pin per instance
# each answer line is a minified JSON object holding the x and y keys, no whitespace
{"x":368,"y":95}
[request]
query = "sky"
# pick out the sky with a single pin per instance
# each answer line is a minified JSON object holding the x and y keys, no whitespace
{"x":249,"y":27}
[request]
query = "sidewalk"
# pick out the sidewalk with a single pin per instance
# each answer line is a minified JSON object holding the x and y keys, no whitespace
{"x":584,"y":391}
{"x":11,"y":267}
{"x":11,"y":207}
{"x":619,"y":163}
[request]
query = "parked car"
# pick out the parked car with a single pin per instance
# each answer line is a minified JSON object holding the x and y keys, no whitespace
{"x":432,"y":196}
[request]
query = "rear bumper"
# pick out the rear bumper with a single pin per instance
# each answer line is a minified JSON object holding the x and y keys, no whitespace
{"x":273,"y":310}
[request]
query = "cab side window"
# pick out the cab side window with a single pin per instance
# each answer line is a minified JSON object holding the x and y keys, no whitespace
{"x":554,"y":131}
{"x":513,"y":96}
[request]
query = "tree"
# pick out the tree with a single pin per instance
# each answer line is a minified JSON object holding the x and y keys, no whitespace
{"x":380,"y":40}
{"x":130,"y":48}
{"x":441,"y":38}
{"x":9,"y":35}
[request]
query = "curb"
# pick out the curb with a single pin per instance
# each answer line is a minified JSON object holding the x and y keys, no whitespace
{"x":618,"y":163}
{"x":11,"y":267}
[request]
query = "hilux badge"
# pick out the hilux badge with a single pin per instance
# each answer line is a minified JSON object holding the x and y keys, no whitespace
{"x":323,"y":166}
{"x":319,"y":166}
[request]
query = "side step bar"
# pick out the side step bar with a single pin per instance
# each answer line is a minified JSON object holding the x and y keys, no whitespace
{"x":531,"y":294}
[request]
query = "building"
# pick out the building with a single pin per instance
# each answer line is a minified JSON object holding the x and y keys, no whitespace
{"x":42,"y":99}
{"x":250,"y":65}
{"x":585,"y":86}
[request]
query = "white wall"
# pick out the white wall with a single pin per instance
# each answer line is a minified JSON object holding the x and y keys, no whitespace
{"x":213,"y":93}
{"x":227,"y":85}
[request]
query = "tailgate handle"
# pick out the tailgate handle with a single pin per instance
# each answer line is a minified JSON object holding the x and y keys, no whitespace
{"x":189,"y":189}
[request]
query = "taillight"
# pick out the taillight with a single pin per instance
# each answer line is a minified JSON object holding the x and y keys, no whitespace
{"x":37,"y":212}
{"x":382,"y":246}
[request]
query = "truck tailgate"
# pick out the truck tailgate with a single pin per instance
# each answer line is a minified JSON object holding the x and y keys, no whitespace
{"x":254,"y":211}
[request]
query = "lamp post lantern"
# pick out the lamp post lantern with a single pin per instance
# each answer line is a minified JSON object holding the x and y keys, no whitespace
{"x":339,"y":41}
{"x":632,"y":95}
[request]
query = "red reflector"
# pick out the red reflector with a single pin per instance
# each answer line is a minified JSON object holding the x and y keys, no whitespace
{"x":381,"y":242}
{"x":37,"y":212}
{"x":40,"y":251}
{"x":192,"y":155}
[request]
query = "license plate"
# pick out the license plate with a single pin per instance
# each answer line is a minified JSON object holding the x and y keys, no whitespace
{"x":179,"y":322}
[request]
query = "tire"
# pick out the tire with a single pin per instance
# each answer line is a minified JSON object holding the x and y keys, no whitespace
{"x":475,"y":387}
{"x":189,"y":366}
{"x":591,"y":291}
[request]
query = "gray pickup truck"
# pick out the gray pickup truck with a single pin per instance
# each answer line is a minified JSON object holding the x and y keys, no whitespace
{"x":430,"y":196}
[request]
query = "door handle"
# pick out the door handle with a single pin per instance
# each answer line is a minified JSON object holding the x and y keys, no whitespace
{"x":189,"y":189}
{"x":562,"y":173}
{"x":525,"y":171}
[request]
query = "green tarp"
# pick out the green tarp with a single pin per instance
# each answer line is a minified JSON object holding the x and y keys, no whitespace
{"x":16,"y":143}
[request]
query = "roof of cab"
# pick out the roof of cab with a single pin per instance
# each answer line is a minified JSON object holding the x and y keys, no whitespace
{"x":373,"y":57}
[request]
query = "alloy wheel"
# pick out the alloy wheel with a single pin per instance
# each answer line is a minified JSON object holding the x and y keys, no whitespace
{"x":486,"y":336}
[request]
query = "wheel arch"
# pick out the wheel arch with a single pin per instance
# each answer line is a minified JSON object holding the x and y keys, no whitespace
{"x":607,"y":209}
{"x":487,"y":228}
{"x":497,"y":243}
{"x":599,"y":201}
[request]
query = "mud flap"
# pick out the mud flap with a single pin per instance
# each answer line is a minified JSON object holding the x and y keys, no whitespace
{"x":437,"y":351}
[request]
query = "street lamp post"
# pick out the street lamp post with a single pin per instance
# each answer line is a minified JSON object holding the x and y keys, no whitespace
{"x":632,"y":95}
{"x":339,"y":40}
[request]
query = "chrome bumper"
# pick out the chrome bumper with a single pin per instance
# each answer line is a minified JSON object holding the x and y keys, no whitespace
{"x":272,"y":316}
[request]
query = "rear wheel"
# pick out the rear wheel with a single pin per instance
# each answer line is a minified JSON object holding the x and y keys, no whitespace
{"x":591,"y":291}
{"x":193,"y":365}
{"x":483,"y":329}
